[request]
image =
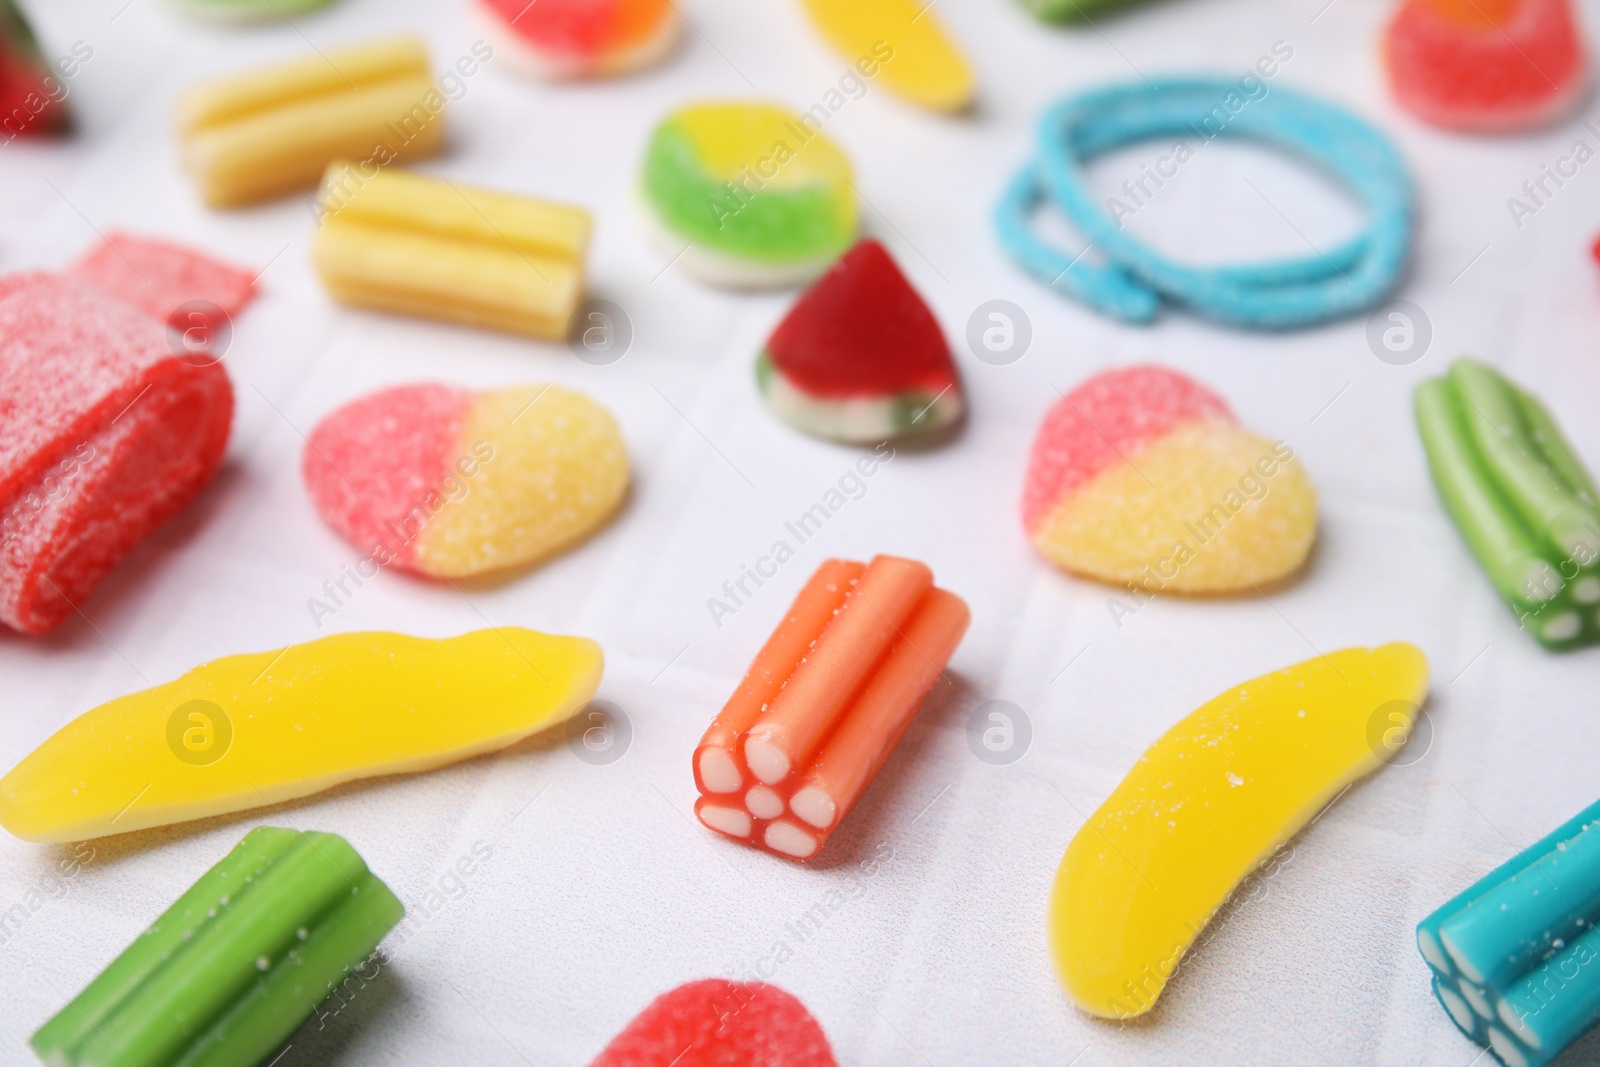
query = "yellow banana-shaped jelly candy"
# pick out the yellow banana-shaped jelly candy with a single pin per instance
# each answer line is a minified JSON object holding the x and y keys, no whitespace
{"x":244,"y":731}
{"x":1210,"y":802}
{"x":902,"y":45}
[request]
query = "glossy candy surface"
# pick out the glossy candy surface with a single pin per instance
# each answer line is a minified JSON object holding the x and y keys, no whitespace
{"x":1520,"y":496}
{"x":228,"y":973}
{"x":247,"y":730}
{"x":860,"y":357}
{"x":825,"y":702}
{"x":904,"y":45}
{"x":1209,"y":803}
{"x":1512,"y":955}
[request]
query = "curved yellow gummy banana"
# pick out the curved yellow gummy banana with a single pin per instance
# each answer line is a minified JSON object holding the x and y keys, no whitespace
{"x":1207,"y":804}
{"x":900,"y":43}
{"x":244,"y":731}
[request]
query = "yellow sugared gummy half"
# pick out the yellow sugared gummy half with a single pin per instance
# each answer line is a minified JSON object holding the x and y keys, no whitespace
{"x":1191,"y":512}
{"x":557,"y":471}
{"x":258,"y":729}
{"x":1209,"y":803}
{"x":903,"y":40}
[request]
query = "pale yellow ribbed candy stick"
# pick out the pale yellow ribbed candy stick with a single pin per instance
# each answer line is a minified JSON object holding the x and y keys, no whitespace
{"x":414,"y":245}
{"x":268,"y":132}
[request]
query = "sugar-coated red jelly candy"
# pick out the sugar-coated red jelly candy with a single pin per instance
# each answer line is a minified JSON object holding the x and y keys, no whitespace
{"x":108,"y":433}
{"x":717,"y":1023}
{"x":187,"y":290}
{"x":1485,"y":65}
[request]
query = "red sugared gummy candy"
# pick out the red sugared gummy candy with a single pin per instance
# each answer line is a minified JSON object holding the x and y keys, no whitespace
{"x":717,"y":1023}
{"x":1488,"y":65}
{"x":107,"y":435}
{"x":169,"y":282}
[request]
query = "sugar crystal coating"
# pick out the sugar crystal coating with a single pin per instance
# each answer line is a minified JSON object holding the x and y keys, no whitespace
{"x":1142,"y":476}
{"x":1485,"y":64}
{"x":761,"y":196}
{"x":159,"y":277}
{"x":451,"y":483}
{"x":108,"y":434}
{"x":1101,"y":421}
{"x":717,"y":1023}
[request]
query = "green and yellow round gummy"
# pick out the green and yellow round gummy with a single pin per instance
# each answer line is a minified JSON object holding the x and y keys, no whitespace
{"x":750,"y":181}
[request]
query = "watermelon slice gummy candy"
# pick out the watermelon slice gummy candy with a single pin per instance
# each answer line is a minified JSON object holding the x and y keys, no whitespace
{"x":1486,"y":65}
{"x":860,"y":358}
{"x":108,"y":434}
{"x":717,"y":1023}
{"x":32,"y":98}
{"x":1143,"y":476}
{"x":579,"y":38}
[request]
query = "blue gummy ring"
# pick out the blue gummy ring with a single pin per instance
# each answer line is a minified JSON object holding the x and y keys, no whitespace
{"x":1134,"y":279}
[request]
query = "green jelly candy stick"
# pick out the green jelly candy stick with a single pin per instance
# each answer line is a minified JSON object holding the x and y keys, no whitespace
{"x":1517,"y":464}
{"x":1073,"y":10}
{"x":1520,"y":497}
{"x":1504,"y":548}
{"x":239,"y":961}
{"x":1553,"y":445}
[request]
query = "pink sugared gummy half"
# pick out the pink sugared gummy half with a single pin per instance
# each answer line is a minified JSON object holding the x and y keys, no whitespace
{"x":106,"y":435}
{"x":369,"y":464}
{"x":158,"y":277}
{"x":717,"y":1023}
{"x":1104,"y":420}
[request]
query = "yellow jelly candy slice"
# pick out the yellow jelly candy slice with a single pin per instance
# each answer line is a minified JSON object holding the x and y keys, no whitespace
{"x":1206,"y":508}
{"x":261,"y":728}
{"x":556,"y":471}
{"x":1210,"y":802}
{"x":900,"y":44}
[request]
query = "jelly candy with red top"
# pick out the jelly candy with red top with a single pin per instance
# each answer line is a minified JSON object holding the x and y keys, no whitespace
{"x":859,"y":357}
{"x":1488,"y":65}
{"x":717,"y":1023}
